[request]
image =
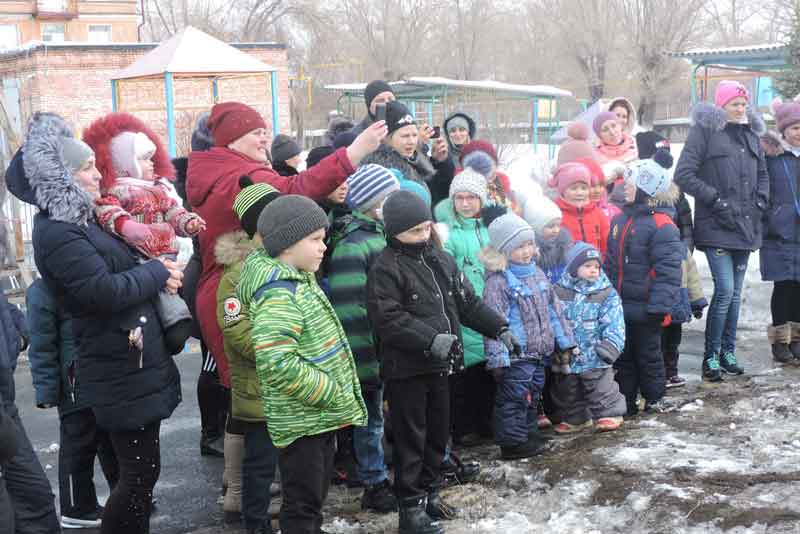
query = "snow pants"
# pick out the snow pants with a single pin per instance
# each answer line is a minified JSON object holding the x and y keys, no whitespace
{"x":590,"y":395}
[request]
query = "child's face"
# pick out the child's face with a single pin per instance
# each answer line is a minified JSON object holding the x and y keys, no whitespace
{"x":146,"y":164}
{"x":596,"y":192}
{"x":306,"y":255}
{"x":524,"y":253}
{"x":630,"y":192}
{"x":589,"y":271}
{"x":418,"y":234}
{"x":792,"y":135}
{"x":577,"y":194}
{"x":552,"y":229}
{"x":339,"y":194}
{"x":467,"y":205}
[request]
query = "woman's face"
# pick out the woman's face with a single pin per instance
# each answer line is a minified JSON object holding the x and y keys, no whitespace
{"x":88,"y":177}
{"x":792,"y":135}
{"x":253,"y":144}
{"x":622,"y":115}
{"x":459,"y":136}
{"x":611,"y":133}
{"x":405,"y":139}
{"x":736,"y":109}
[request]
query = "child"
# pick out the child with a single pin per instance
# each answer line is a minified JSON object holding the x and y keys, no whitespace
{"x":520,"y":291}
{"x":644,"y":264}
{"x":250,"y":456}
{"x":417,"y":300}
{"x":360,"y":243}
{"x":584,"y":220}
{"x":588,"y":392}
{"x":309,"y":385}
{"x":136,"y":204}
{"x":286,"y":155}
{"x":552,"y":239}
{"x":780,"y":253}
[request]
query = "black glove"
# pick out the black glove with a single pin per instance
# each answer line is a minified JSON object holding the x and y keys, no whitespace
{"x":607,"y":352}
{"x":441,"y":345}
{"x":498,"y":373}
{"x":724,"y":213}
{"x":510,"y":342}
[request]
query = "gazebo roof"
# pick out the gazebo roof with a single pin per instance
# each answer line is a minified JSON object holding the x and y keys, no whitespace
{"x":753,"y":57}
{"x":193,"y":52}
{"x":422,"y":86}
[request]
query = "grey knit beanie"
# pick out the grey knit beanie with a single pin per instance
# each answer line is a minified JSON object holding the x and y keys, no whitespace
{"x":457,"y":122}
{"x":75,"y":153}
{"x":402,"y":211}
{"x":508,"y":232}
{"x":287,"y":220}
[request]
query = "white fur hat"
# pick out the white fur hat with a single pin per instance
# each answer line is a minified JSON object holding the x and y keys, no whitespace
{"x":126,"y":149}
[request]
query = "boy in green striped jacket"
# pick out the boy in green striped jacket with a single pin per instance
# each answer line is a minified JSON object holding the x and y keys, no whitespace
{"x":309,"y":384}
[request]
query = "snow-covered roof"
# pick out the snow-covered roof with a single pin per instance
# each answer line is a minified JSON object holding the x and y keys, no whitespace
{"x":193,"y":52}
{"x":767,"y":47}
{"x":417,"y":82}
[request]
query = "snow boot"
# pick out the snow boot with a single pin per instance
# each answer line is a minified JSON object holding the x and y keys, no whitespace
{"x":379,"y":498}
{"x":608,"y":424}
{"x":234,"y":454}
{"x":676,"y":381}
{"x":413,"y":519}
{"x":455,"y":472}
{"x":439,"y":510}
{"x":662,"y":405}
{"x":533,"y":447}
{"x":779,"y":337}
{"x":711,"y":368}
{"x":566,"y":428}
{"x":211,"y":445}
{"x":794,"y":345}
{"x":728,"y":363}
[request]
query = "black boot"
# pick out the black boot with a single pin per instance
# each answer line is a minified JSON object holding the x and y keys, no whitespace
{"x":211,"y":445}
{"x":379,"y":498}
{"x":455,"y":472}
{"x":414,"y":519}
{"x":712,"y":372}
{"x":535,"y":445}
{"x":438,"y":510}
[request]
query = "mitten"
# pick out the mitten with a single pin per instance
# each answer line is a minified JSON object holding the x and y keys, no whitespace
{"x":441,"y":345}
{"x":511,"y":342}
{"x":136,"y":233}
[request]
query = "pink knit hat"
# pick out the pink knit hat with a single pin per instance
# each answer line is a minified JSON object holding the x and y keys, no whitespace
{"x":727,"y":90}
{"x":785,"y":113}
{"x":601,"y":119}
{"x":568,"y":174}
{"x":577,"y":145}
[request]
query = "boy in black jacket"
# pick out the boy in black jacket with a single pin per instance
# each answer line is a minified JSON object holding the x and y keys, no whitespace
{"x":417,"y":300}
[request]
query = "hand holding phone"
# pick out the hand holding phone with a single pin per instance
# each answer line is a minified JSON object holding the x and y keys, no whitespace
{"x":380,"y":112}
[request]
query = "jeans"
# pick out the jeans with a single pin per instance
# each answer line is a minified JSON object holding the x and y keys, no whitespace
{"x":516,"y":402}
{"x":728,"y":268}
{"x":368,"y":440}
{"x":258,"y":472}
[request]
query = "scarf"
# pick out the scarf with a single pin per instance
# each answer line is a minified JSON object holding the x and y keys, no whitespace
{"x":624,"y":152}
{"x":522,"y":270}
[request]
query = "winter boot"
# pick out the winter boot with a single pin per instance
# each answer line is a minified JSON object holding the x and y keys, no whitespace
{"x":413,"y":519}
{"x":566,"y":428}
{"x":234,"y":454}
{"x":533,"y":447}
{"x":211,"y":445}
{"x":728,"y":363}
{"x":454,"y":471}
{"x":794,"y":345}
{"x":711,"y":368}
{"x":780,"y":337}
{"x":379,"y":498}
{"x":662,"y":405}
{"x":608,"y":424}
{"x":438,"y":510}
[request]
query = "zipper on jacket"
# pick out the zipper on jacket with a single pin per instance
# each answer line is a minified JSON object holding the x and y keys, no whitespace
{"x":621,"y":255}
{"x":580,"y":223}
{"x":441,"y":295}
{"x":71,"y":380}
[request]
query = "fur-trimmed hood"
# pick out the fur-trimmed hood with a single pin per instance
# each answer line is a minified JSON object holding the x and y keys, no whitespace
{"x":419,"y":169}
{"x":100,"y":133}
{"x":336,"y":126}
{"x":668,"y":198}
{"x":774,"y":144}
{"x":493,"y":259}
{"x":707,"y":115}
{"x":52,"y":183}
{"x":234,"y":247}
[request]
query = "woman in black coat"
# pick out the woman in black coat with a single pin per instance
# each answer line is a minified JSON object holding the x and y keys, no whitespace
{"x":127,"y":374}
{"x":722,"y":166}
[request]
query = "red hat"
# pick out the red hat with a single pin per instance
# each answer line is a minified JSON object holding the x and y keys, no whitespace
{"x":479,"y":145}
{"x":231,"y":120}
{"x":568,"y":174}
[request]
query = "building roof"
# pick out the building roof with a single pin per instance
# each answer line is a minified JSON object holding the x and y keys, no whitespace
{"x":193,"y":52}
{"x":434,"y":84}
{"x":769,"y":55}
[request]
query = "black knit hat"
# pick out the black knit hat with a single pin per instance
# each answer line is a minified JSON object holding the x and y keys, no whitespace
{"x":287,"y":220}
{"x":649,"y":142}
{"x":317,"y":154}
{"x":250,"y":201}
{"x":402,"y":211}
{"x":397,"y":116}
{"x":284,"y":148}
{"x":373,"y":89}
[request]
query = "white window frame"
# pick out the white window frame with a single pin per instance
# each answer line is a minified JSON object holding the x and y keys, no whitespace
{"x":16,"y":36}
{"x":56,"y":24}
{"x":110,"y":33}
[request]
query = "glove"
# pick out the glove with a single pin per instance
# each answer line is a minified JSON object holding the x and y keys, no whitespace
{"x":724,"y":213}
{"x":136,"y":233}
{"x":498,"y":373}
{"x":510,"y":342}
{"x":607,"y":352}
{"x":698,"y":313}
{"x":441,"y":345}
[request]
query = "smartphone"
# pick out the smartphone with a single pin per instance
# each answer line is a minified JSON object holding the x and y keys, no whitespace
{"x":437,"y":132}
{"x":380,"y":112}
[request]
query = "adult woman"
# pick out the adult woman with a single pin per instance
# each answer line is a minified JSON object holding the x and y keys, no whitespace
{"x":460,"y":130}
{"x":400,"y":151}
{"x":614,"y":144}
{"x":722,"y":166}
{"x":127,"y":375}
{"x":626,"y":115}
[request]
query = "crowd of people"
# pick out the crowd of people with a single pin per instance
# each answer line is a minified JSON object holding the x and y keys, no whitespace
{"x":398,"y":292}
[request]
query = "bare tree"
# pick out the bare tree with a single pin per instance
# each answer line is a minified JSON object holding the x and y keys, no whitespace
{"x":731,"y":21}
{"x":473,"y":20}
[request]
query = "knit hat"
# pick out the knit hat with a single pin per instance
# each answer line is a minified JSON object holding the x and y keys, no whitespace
{"x":469,"y":181}
{"x":369,"y":185}
{"x":577,"y":144}
{"x":344,"y":139}
{"x":651,"y":176}
{"x":287,"y":220}
{"x":601,"y":119}
{"x":127,"y":148}
{"x":202,"y":139}
{"x":509,"y":232}
{"x":415,"y":187}
{"x":397,"y":116}
{"x":373,"y":89}
{"x":649,"y":142}
{"x":481,"y":162}
{"x":580,"y":253}
{"x":250,"y":201}
{"x":786,"y":114}
{"x":317,"y":154}
{"x":478,"y":145}
{"x":231,"y":120}
{"x":727,"y":90}
{"x":74,"y":153}
{"x":568,"y":174}
{"x":540,"y":211}
{"x":284,"y":148}
{"x":457,"y":121}
{"x":402,"y":211}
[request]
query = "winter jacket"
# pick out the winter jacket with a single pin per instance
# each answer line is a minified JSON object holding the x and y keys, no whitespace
{"x":780,"y":251}
{"x":212,"y":185}
{"x":724,"y":161}
{"x":530,"y":306}
{"x":53,"y":353}
{"x":644,"y":261}
{"x":359,"y":244}
{"x":309,"y":382}
{"x":552,"y":258}
{"x":454,"y":151}
{"x":234,"y":321}
{"x":416,"y":292}
{"x":594,"y":311}
{"x":436,"y":175}
{"x":466,"y":238}
{"x":588,"y":224}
